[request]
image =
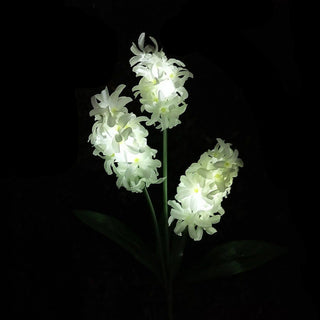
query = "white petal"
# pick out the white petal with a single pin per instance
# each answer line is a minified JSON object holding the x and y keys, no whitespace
{"x":174,"y":204}
{"x":170,"y":220}
{"x":180,"y":226}
{"x":179,"y":215}
{"x":141,"y":41}
{"x":199,"y":233}
{"x":192,"y":231}
{"x":210,"y":230}
{"x":155,"y":43}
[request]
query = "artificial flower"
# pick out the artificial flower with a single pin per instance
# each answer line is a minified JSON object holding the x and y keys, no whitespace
{"x":120,"y":139}
{"x":139,"y":172}
{"x":161,"y":87}
{"x":202,"y":189}
{"x":196,"y":221}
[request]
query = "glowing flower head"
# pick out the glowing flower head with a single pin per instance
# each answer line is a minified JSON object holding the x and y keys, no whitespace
{"x":161,"y":86}
{"x":202,"y":189}
{"x":195,"y":221}
{"x":139,"y":172}
{"x":120,"y":139}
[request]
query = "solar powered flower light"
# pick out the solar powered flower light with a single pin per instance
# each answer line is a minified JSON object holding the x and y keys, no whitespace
{"x":119,"y":137}
{"x":161,"y":86}
{"x":202,"y":189}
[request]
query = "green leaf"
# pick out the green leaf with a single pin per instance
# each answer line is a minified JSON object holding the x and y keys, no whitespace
{"x":232,"y":258}
{"x":118,"y":232}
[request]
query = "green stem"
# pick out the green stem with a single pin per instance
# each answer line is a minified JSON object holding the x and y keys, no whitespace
{"x":167,"y":277}
{"x":157,"y":232}
{"x":165,"y":192}
{"x":169,"y":292}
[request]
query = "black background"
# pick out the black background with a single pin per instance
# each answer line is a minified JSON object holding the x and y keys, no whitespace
{"x":248,"y":70}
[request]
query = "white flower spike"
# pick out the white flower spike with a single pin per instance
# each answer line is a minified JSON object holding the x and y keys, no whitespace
{"x":202,"y":189}
{"x":161,"y":86}
{"x":120,"y":139}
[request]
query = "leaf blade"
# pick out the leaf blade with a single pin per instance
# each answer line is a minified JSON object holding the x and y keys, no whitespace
{"x":232,"y":258}
{"x":118,"y":232}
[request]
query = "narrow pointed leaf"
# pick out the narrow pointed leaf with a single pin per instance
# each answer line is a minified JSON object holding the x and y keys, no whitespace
{"x":118,"y":232}
{"x":233,"y":258}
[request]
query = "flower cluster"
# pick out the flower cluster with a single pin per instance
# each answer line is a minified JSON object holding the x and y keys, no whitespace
{"x":161,"y":86}
{"x":120,"y":139}
{"x":202,"y":189}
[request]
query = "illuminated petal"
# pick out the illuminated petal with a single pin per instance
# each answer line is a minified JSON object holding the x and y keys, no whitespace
{"x":162,"y":80}
{"x":119,"y":137}
{"x":155,"y":43}
{"x":210,"y":230}
{"x":199,"y":233}
{"x":180,"y":226}
{"x":141,"y":41}
{"x":202,"y":189}
{"x":192,"y":231}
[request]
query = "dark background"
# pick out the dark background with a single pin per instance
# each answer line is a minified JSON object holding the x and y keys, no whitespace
{"x":248,"y":70}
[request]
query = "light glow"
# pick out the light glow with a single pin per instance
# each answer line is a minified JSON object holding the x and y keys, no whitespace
{"x":161,"y":86}
{"x":120,"y":139}
{"x":197,"y":204}
{"x":166,"y":88}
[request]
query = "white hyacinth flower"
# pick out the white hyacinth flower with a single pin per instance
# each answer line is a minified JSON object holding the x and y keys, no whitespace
{"x":202,"y":189}
{"x":161,"y":86}
{"x":196,"y":221}
{"x":120,"y":139}
{"x":140,"y":172}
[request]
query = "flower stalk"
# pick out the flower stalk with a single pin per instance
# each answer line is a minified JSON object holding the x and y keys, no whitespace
{"x":157,"y":232}
{"x":166,"y":273}
{"x":165,"y":192}
{"x":169,"y":288}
